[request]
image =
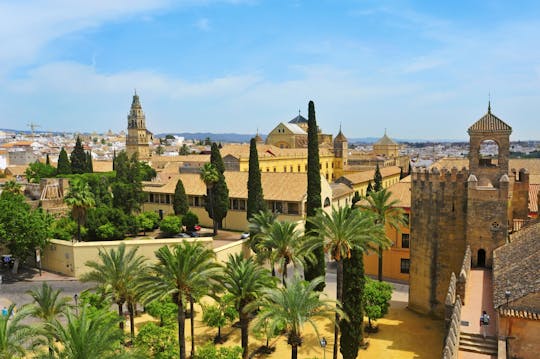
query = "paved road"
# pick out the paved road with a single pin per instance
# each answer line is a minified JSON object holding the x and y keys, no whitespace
{"x":16,"y":292}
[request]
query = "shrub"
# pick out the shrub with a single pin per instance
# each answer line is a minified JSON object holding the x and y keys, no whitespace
{"x":189,"y":220}
{"x":170,"y":225}
{"x":158,"y":342}
{"x":209,"y":351}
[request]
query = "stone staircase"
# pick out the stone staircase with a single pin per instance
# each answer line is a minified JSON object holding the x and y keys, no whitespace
{"x":477,"y":344}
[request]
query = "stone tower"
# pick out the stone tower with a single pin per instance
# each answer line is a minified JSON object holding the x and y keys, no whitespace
{"x":489,"y":189}
{"x":453,"y":209}
{"x":341,"y":153}
{"x":138,"y":136}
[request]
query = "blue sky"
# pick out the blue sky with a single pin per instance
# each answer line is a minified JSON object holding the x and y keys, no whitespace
{"x":420,"y":69}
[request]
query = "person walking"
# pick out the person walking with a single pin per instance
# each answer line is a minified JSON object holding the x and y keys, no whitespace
{"x":484,"y":322}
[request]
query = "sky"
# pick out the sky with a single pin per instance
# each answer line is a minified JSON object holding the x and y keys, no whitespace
{"x":419,"y":69}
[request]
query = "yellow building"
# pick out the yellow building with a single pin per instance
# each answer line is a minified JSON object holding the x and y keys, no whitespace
{"x":396,"y":260}
{"x":359,"y":181}
{"x":293,"y":134}
{"x":386,"y":147}
{"x":285,"y":193}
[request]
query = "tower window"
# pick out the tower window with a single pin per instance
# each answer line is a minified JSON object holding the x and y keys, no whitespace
{"x":405,"y":240}
{"x":405,"y":265}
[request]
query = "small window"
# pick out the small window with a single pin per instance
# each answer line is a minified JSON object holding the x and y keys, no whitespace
{"x":284,"y":168}
{"x":327,"y":202}
{"x":405,"y":240}
{"x":405,"y":265}
{"x":298,"y":168}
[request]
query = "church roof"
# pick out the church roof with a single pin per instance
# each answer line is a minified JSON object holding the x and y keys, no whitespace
{"x":385,"y":141}
{"x":136,"y":103}
{"x":299,"y":119}
{"x":340,"y":137}
{"x":297,"y":130}
{"x":489,"y":123}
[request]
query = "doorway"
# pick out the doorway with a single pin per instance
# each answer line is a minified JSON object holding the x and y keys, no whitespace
{"x":481,"y":258}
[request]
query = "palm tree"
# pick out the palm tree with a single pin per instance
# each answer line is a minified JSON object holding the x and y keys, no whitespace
{"x":286,"y":245}
{"x":341,"y":231}
{"x":13,"y":334}
{"x":47,"y":306}
{"x":245,"y":280}
{"x":119,"y":274}
{"x":80,"y":198}
{"x":185,"y":271}
{"x":386,"y":212}
{"x":293,"y":306}
{"x":210,"y":176}
{"x":258,"y":226}
{"x":87,"y":335}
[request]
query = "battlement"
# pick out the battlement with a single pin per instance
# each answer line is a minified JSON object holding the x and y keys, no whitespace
{"x":442,"y":175}
{"x":521,"y":176}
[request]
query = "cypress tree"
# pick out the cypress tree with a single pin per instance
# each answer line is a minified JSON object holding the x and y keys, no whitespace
{"x":255,"y":201}
{"x":78,"y":158}
{"x":352,"y":334}
{"x":47,"y":160}
{"x":377,"y":179}
{"x":114,"y":160}
{"x":89,"y":164}
{"x":220,"y":192}
{"x":317,"y":269}
{"x":369,"y":188}
{"x":180,"y":201}
{"x":63,"y":166}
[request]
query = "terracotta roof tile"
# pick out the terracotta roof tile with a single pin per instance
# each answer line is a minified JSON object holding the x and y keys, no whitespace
{"x":533,"y":197}
{"x":365,"y":176}
{"x":489,"y":123}
{"x":340,"y":189}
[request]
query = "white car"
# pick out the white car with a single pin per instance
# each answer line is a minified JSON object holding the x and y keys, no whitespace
{"x":244,"y":235}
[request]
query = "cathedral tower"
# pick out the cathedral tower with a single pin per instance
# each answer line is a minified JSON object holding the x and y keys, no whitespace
{"x":137,"y":136}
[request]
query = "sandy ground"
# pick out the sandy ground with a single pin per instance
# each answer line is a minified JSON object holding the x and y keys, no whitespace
{"x":402,"y":334}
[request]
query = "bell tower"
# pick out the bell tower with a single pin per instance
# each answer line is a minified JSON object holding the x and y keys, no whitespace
{"x":137,"y":136}
{"x":489,"y":187}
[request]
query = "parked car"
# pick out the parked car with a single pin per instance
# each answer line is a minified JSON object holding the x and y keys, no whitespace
{"x":192,"y":234}
{"x":197,"y":227}
{"x":244,"y":235}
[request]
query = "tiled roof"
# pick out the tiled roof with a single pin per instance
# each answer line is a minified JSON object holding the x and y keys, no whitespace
{"x":401,"y":192}
{"x":518,"y":313}
{"x":297,"y":130}
{"x":365,"y":176}
{"x":276,"y":186}
{"x":489,"y":123}
{"x":299,"y":119}
{"x":340,"y":137}
{"x":516,"y":269}
{"x":385,"y":141}
{"x":340,"y":189}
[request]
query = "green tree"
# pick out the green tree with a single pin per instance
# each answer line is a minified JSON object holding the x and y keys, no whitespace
{"x":285,"y":245}
{"x":80,"y":198}
{"x":184,"y":150}
{"x":313,"y":202}
{"x":188,"y":269}
{"x":386,"y":212}
{"x":210,"y":351}
{"x":78,"y":158}
{"x":190,"y":220}
{"x":218,"y":192}
{"x":171,"y":225}
{"x":14,"y":335}
{"x":160,"y":150}
{"x":87,"y":335}
{"x":210,"y":177}
{"x":255,"y":201}
{"x":64,"y":228}
{"x":47,"y":306}
{"x":352,"y":330}
{"x":37,"y":170}
{"x":220,"y":314}
{"x":377,"y":179}
{"x":11,"y":187}
{"x":22,"y":229}
{"x":47,"y":160}
{"x":114,"y":220}
{"x":119,"y":273}
{"x":127,"y":186}
{"x":245,"y":280}
{"x":180,"y":200}
{"x":159,"y":342}
{"x":377,"y":296}
{"x":64,"y":166}
{"x":146,"y":223}
{"x":369,"y":189}
{"x":259,"y":225}
{"x":89,"y":163}
{"x":341,"y":231}
{"x":164,"y":310}
{"x":292,"y":307}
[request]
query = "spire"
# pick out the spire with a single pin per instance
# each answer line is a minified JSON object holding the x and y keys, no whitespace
{"x":489,"y":102}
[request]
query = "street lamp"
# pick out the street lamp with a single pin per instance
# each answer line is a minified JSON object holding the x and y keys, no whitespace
{"x":323,"y":345}
{"x":507,"y":295}
{"x":76,"y":297}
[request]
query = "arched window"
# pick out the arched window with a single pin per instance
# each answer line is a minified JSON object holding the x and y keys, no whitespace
{"x":488,"y":154}
{"x":327,"y":202}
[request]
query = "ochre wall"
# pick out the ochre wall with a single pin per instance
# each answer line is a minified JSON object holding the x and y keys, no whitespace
{"x":523,"y":342}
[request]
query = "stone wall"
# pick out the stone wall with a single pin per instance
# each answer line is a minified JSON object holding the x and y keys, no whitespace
{"x":438,"y":220}
{"x":451,"y":343}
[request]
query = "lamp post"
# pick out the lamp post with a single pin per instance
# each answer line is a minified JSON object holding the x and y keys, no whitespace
{"x":507,"y":295}
{"x":76,"y":298}
{"x":323,"y":345}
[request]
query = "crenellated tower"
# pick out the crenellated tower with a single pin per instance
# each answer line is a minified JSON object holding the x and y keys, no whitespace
{"x":454,"y":209}
{"x":138,"y":136}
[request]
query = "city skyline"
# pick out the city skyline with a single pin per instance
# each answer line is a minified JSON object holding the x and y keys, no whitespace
{"x":419,"y":70}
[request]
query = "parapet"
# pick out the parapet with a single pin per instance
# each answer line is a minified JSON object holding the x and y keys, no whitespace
{"x":439,"y":175}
